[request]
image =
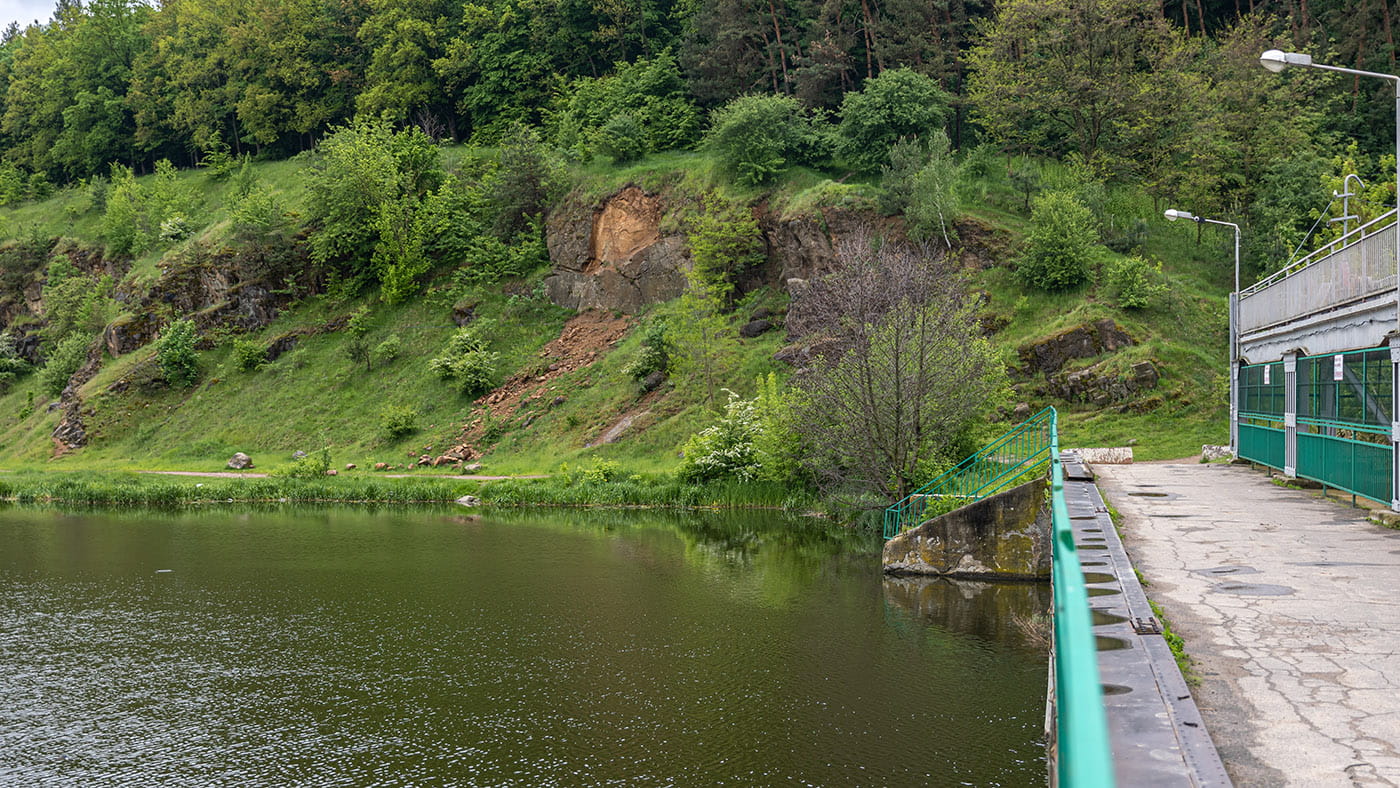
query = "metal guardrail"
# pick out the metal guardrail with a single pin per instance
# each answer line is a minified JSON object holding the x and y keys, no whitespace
{"x":1083,"y":755}
{"x":1084,"y":758}
{"x":1349,"y":270}
{"x":992,"y":469}
{"x":1370,"y":228}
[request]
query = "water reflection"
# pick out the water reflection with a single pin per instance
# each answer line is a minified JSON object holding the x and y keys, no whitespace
{"x":348,"y":646}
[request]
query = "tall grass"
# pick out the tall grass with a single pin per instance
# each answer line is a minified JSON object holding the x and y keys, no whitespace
{"x":662,"y":491}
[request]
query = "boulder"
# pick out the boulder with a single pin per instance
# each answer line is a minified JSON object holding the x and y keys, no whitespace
{"x":240,"y":461}
{"x":282,"y":345}
{"x":298,"y":454}
{"x":463,"y":313}
{"x":1212,"y":453}
{"x":349,"y":466}
{"x":332,"y":472}
{"x":381,"y":466}
{"x":653,"y":381}
{"x":1100,"y":387}
{"x":755,"y":328}
{"x":1084,"y":341}
{"x":469,"y":500}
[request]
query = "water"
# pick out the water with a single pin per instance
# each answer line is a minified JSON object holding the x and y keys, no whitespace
{"x":414,"y":646}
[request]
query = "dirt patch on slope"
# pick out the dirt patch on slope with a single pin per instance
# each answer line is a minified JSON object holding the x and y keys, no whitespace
{"x":585,"y":339}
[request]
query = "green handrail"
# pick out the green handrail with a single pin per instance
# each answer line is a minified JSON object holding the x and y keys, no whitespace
{"x":990,"y":470}
{"x":1081,"y":726}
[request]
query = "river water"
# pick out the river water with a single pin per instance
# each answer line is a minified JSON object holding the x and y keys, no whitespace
{"x":354,"y":646}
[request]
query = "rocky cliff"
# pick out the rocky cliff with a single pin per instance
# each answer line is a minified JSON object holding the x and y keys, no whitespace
{"x":628,"y":250}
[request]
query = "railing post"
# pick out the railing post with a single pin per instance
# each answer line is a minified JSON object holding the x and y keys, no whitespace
{"x":1290,"y":414}
{"x":1394,"y":342}
{"x":1234,"y":377}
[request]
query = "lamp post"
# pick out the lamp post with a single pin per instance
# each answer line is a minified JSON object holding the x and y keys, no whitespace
{"x":1172,"y":215}
{"x":1277,"y":60}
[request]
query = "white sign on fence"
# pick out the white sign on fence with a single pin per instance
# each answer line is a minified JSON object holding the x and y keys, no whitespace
{"x":1337,"y":367}
{"x":1267,"y":367}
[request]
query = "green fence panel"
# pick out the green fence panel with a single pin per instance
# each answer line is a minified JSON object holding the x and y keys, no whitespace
{"x":1356,"y":466}
{"x":1261,"y":444}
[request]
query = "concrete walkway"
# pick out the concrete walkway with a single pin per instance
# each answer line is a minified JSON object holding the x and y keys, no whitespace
{"x":1290,"y":607}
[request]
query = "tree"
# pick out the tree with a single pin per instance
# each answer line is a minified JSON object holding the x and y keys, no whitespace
{"x":1061,"y":76}
{"x":900,"y":365}
{"x":724,"y":241}
{"x":649,"y":94}
{"x":921,"y":181}
{"x":365,"y":167}
{"x":898,"y":104}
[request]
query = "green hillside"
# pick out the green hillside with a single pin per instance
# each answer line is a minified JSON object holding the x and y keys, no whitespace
{"x":316,"y":396}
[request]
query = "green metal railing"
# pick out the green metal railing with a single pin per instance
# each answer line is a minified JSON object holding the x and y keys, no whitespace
{"x":1346,"y":456}
{"x":1084,"y":757}
{"x":990,"y":470}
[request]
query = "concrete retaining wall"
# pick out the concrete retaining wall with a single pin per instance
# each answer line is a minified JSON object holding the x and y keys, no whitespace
{"x":1006,"y":535}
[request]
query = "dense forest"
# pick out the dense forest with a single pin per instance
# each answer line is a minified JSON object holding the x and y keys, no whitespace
{"x":1165,"y":94}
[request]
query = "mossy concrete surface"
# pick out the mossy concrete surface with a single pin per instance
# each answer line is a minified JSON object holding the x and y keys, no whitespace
{"x":1006,"y":535}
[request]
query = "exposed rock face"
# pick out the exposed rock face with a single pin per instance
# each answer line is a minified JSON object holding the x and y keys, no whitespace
{"x":1005,"y":535}
{"x":1086,"y":341}
{"x":620,"y":255}
{"x":129,"y":332}
{"x":614,"y":256}
{"x":71,"y":433}
{"x":1100,"y":387}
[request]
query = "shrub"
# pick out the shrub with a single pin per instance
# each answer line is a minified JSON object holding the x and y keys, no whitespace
{"x":175,"y":353}
{"x":398,"y":420}
{"x":174,"y":228}
{"x":622,"y":139}
{"x":311,"y":465}
{"x":258,"y":216}
{"x":1061,"y":243}
{"x":248,"y":354}
{"x":386,"y":351}
{"x":67,"y":358}
{"x":651,"y":94}
{"x":602,"y":471}
{"x":73,"y":301}
{"x":11,"y":363}
{"x":725,"y":448}
{"x":466,"y":360}
{"x":756,"y":137}
{"x":898,"y":104}
{"x":522,"y":185}
{"x":122,"y":214}
{"x":655,"y":355}
{"x":363,"y":166}
{"x":1133,"y":282}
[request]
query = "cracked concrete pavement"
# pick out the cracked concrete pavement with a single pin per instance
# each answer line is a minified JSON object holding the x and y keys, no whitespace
{"x":1290,"y":608}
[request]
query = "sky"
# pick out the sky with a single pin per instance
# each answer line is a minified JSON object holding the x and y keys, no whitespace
{"x":25,"y":11}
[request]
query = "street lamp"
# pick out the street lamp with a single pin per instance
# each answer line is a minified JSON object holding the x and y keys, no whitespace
{"x":1172,"y":215}
{"x":1277,"y":60}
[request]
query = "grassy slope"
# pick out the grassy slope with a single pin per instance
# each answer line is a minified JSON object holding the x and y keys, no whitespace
{"x":315,"y":397}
